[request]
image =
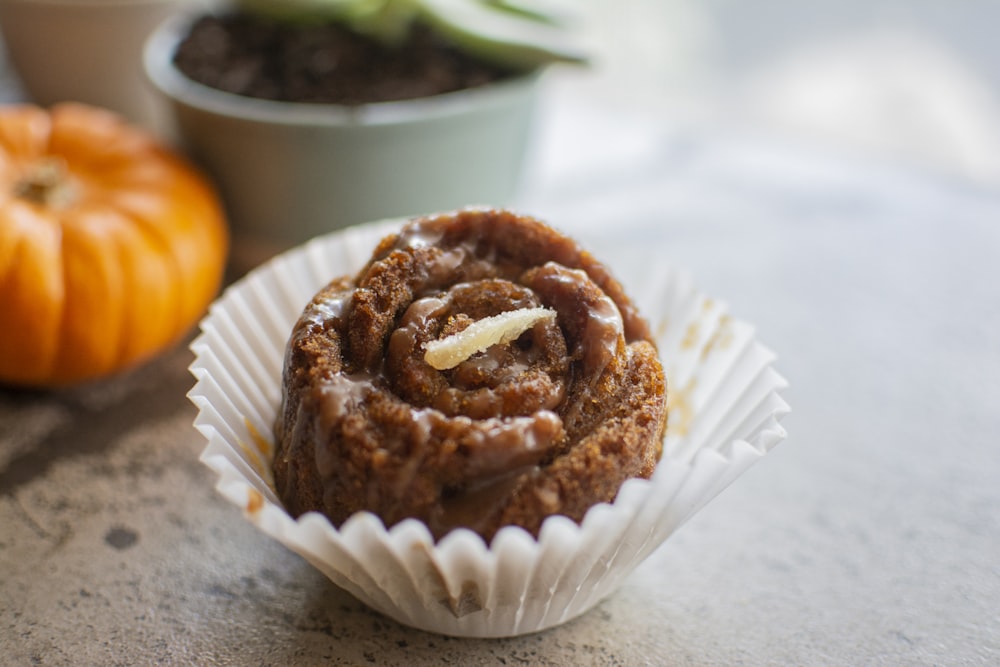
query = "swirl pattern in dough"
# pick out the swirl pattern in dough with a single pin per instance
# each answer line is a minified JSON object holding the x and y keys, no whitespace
{"x":550,"y":422}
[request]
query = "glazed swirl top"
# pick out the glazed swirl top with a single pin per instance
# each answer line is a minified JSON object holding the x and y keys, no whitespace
{"x":550,"y":421}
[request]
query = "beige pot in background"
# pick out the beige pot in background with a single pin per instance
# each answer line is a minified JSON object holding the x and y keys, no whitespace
{"x":86,"y":51}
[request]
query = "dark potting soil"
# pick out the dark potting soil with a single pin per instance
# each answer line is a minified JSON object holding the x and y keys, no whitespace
{"x":324,"y":63}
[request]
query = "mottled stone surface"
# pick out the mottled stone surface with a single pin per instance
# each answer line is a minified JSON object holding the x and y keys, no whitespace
{"x":870,"y":537}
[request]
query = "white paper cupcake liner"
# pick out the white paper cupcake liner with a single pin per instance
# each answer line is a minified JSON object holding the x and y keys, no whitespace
{"x":724,"y":413}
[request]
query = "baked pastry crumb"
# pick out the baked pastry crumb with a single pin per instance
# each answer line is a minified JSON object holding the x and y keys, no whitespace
{"x":550,"y":419}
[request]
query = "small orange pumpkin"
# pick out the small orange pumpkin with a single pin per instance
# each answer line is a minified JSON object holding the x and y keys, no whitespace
{"x":111,"y":245}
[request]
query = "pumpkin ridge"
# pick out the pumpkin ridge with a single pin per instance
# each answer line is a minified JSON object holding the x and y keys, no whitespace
{"x":25,"y":135}
{"x":148,"y":232}
{"x":26,"y":285}
{"x":95,"y":284}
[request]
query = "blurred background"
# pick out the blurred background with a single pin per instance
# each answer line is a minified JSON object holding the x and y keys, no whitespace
{"x":916,"y":81}
{"x":902,"y":80}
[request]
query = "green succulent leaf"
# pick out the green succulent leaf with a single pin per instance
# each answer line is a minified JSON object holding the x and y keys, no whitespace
{"x":554,"y":12}
{"x":502,"y":31}
{"x":515,"y":33}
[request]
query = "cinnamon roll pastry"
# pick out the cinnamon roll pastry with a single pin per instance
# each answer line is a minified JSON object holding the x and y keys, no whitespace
{"x":481,"y":370}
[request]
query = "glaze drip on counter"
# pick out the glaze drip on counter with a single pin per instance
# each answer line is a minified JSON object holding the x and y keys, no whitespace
{"x":551,"y":422}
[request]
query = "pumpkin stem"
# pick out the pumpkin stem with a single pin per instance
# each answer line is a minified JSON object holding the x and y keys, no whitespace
{"x":47,"y":182}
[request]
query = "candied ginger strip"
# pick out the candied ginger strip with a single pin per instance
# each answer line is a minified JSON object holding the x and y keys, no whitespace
{"x":482,"y":335}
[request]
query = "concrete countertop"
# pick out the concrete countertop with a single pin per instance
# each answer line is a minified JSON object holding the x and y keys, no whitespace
{"x":870,"y":537}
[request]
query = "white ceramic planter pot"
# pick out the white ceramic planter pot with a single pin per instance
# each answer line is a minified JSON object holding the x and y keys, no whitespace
{"x":291,"y":171}
{"x":86,"y":51}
